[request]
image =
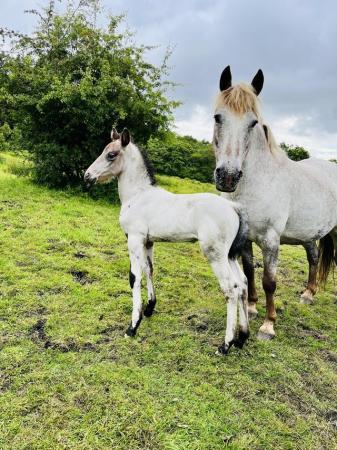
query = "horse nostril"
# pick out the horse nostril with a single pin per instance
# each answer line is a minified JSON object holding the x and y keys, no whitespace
{"x":240,"y":174}
{"x":218,"y":170}
{"x":89,"y":181}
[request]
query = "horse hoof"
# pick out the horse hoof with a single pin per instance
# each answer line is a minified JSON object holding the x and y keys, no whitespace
{"x":252,"y":312}
{"x":306,"y":299}
{"x":262,"y":336}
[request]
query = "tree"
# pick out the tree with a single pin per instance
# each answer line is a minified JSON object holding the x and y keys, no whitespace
{"x":294,"y":152}
{"x":71,"y":80}
{"x":182,"y":156}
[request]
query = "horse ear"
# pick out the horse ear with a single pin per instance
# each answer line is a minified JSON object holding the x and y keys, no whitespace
{"x":257,"y":82}
{"x":114,"y":134}
{"x":226,"y":79}
{"x":125,"y":137}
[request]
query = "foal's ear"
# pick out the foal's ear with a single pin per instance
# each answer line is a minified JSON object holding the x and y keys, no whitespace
{"x":114,"y":134}
{"x":226,"y":79}
{"x":125,"y":137}
{"x":257,"y":82}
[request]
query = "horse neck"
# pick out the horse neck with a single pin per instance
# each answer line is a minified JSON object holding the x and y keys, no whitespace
{"x":134,"y":177}
{"x":261,"y":163}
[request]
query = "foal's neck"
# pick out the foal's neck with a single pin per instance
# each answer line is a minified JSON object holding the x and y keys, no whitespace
{"x":134,"y":177}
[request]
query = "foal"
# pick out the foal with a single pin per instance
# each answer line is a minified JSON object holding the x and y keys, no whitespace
{"x":149,"y":214}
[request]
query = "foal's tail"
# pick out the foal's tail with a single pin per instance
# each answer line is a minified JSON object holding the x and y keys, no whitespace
{"x":326,"y":258}
{"x":241,"y":236}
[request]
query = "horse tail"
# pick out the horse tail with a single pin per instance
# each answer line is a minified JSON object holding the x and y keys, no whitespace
{"x":326,"y":258}
{"x":241,"y":236}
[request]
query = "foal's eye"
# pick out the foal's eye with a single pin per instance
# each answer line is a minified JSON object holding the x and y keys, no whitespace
{"x":252,"y":124}
{"x":111,"y":156}
{"x":217,"y":118}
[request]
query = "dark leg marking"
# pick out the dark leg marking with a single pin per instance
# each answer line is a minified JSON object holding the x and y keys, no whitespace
{"x":150,"y":307}
{"x":148,"y":245}
{"x":150,"y":265}
{"x":312,"y":257}
{"x":131,"y":331}
{"x":269,"y":286}
{"x":132,"y":279}
{"x":248,"y":268}
{"x":241,"y":338}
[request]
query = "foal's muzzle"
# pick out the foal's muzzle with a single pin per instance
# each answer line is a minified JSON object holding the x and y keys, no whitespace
{"x":226,"y":181}
{"x":89,"y":180}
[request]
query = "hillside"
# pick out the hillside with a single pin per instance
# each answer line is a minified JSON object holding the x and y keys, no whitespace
{"x":69,"y":378}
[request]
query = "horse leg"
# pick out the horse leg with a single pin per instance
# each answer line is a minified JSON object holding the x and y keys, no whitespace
{"x":248,"y":268}
{"x":137,"y":259}
{"x":312,"y":257}
{"x":149,"y":279}
{"x":243,"y":333}
{"x":270,"y":248}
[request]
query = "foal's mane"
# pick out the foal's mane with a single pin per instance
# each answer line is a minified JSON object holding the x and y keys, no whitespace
{"x":148,"y":165}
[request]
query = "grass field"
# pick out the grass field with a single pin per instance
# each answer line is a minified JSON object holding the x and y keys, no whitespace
{"x":70,"y":380}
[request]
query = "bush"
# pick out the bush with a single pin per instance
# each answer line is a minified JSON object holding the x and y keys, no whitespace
{"x":295,"y":153}
{"x":70,"y":81}
{"x":182,"y":156}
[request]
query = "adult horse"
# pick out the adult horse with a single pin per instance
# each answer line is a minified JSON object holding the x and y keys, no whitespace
{"x":286,"y":202}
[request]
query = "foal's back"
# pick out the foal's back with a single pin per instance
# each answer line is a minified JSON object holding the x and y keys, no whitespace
{"x":178,"y":217}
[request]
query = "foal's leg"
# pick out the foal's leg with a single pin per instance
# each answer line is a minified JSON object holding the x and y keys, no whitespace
{"x":137,"y":259}
{"x":270,"y":247}
{"x":229,"y":286}
{"x":248,"y":268}
{"x":149,"y":279}
{"x":312,"y":256}
{"x":243,"y":333}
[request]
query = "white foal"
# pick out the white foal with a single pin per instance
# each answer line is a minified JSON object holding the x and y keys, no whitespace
{"x":150,"y":214}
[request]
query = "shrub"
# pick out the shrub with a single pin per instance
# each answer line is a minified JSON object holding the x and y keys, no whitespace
{"x":71,"y":80}
{"x":182,"y":156}
{"x":295,"y":153}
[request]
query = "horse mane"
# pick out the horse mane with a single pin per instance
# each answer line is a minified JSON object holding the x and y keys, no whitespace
{"x":240,"y":99}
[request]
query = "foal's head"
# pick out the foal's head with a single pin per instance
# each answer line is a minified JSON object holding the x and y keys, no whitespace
{"x":237,"y":123}
{"x":110,"y":163}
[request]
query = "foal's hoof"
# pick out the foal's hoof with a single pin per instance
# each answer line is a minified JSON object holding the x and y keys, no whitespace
{"x":130,"y":333}
{"x":252,"y":311}
{"x":223,"y":349}
{"x":307,"y":298}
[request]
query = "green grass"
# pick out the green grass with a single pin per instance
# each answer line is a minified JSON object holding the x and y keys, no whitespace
{"x":70,"y":380}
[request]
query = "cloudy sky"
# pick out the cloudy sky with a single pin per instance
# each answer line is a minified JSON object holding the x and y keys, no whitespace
{"x":293,"y":41}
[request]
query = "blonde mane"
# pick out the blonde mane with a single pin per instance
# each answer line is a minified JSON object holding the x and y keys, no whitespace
{"x":240,"y":99}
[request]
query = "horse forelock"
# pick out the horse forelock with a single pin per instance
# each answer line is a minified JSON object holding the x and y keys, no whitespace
{"x":240,"y":99}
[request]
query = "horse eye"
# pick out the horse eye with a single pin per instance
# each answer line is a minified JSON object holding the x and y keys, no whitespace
{"x":252,"y":124}
{"x":217,"y":118}
{"x":111,"y":156}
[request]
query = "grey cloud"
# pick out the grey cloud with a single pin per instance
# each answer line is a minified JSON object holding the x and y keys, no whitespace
{"x":293,"y":41}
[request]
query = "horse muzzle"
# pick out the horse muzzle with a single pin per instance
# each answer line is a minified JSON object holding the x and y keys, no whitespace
{"x":226,"y":181}
{"x":89,"y":180}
